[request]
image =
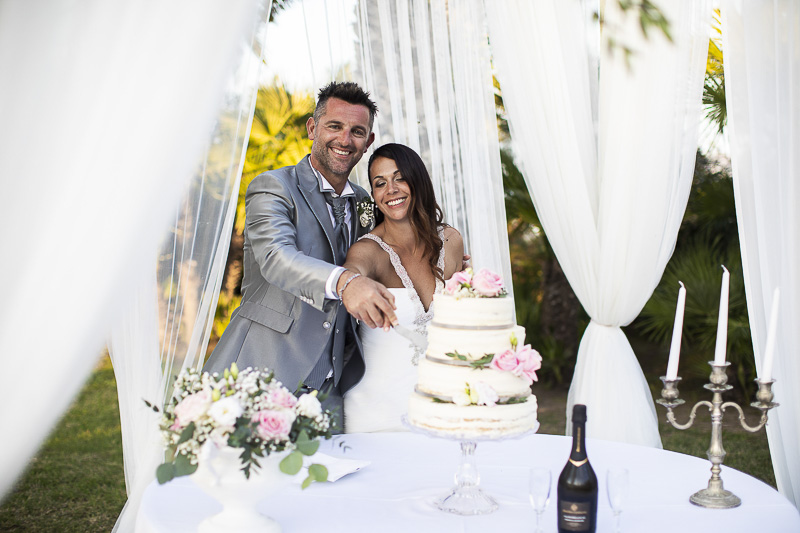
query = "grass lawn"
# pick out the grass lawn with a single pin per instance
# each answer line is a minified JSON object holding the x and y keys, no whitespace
{"x":76,"y":482}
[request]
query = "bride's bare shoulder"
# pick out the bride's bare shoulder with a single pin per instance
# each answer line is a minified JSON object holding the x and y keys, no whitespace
{"x":452,"y":240}
{"x":453,"y":251}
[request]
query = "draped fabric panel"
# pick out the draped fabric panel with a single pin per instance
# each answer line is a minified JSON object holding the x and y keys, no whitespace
{"x":105,"y":109}
{"x":607,"y":149}
{"x":761,"y":43}
{"x":168,"y":327}
{"x":428,"y":67}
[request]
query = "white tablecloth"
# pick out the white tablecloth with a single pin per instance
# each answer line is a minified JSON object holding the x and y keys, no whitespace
{"x":408,"y":471}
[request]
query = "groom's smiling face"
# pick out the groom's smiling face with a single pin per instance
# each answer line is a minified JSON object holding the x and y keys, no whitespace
{"x":341,"y":136}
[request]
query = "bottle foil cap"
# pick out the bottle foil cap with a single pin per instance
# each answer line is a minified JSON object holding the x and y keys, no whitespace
{"x":579,"y":413}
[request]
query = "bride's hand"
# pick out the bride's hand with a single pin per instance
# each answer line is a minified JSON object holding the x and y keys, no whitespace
{"x":370,"y":302}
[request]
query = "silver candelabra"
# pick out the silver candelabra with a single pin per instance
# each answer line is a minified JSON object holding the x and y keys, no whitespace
{"x":715,"y":496}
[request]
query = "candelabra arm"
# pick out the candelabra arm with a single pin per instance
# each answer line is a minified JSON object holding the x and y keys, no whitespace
{"x":743,"y":421}
{"x":672,"y":420}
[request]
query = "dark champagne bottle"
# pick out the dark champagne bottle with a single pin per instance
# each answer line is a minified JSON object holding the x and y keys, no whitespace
{"x":577,"y":484}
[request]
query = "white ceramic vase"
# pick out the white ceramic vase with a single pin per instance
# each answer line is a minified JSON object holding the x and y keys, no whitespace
{"x":219,"y":474}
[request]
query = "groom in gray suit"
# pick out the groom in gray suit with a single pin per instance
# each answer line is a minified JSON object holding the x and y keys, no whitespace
{"x":300,"y":221}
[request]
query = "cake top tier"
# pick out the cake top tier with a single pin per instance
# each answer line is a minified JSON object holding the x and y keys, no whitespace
{"x":473,"y":313}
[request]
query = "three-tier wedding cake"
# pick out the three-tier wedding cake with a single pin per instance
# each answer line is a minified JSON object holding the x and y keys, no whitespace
{"x":476,"y":376}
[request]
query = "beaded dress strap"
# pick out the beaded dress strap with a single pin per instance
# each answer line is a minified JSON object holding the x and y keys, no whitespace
{"x":421,"y":316}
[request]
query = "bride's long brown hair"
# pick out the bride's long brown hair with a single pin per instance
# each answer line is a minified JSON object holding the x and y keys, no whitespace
{"x":425,"y":214}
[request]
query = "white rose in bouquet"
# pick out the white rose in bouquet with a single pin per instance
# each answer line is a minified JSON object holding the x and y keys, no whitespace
{"x":308,"y":405}
{"x":225,"y":411}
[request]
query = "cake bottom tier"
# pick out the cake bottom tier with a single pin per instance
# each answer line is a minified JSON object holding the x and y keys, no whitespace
{"x":472,"y":420}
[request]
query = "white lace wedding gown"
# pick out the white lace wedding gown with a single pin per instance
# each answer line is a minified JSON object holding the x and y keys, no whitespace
{"x":381,"y":397}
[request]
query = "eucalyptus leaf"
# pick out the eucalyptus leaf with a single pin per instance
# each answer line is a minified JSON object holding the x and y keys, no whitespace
{"x":318,"y":472}
{"x":306,"y":482}
{"x":305,"y":445}
{"x":165,"y":472}
{"x":184,"y":467}
{"x":292,"y":463}
{"x":187,"y":433}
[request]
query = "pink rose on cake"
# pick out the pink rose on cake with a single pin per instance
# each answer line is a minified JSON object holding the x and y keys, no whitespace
{"x":529,"y":361}
{"x":459,"y":279}
{"x":274,"y":424}
{"x":505,"y":361}
{"x":487,"y":283}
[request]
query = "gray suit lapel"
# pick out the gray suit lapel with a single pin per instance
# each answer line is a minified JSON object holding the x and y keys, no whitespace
{"x":309,"y":188}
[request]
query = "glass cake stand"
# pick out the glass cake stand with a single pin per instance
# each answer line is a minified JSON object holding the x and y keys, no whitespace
{"x":466,"y":497}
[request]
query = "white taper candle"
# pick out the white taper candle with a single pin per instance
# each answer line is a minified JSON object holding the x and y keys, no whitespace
{"x":677,"y":332}
{"x":722,"y":324}
{"x":769,"y":351}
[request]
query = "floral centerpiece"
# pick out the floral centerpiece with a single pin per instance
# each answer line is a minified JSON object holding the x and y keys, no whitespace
{"x":468,"y":284}
{"x":248,"y":410}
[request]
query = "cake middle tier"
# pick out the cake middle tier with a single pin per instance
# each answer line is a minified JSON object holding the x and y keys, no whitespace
{"x":471,"y":343}
{"x":449,"y":378}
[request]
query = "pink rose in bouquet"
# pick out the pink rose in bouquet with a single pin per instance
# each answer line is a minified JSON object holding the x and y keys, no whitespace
{"x":487,"y":283}
{"x":274,"y":424}
{"x":454,"y":283}
{"x":529,"y":361}
{"x":281,"y":397}
{"x":192,"y":408}
{"x":505,"y":361}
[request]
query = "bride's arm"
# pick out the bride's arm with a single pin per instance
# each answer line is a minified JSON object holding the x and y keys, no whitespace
{"x":453,"y":252}
{"x":361,"y":259}
{"x":365,"y":299}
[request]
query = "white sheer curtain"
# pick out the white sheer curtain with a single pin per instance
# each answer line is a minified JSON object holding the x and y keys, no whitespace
{"x":168,"y":327}
{"x":105,"y":108}
{"x":608,"y":154}
{"x":428,"y":67}
{"x":761,"y":42}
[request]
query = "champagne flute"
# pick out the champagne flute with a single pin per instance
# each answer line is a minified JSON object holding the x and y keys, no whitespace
{"x":539,"y":481}
{"x":617,"y":487}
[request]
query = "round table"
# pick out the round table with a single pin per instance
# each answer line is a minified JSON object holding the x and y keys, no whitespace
{"x":408,"y":471}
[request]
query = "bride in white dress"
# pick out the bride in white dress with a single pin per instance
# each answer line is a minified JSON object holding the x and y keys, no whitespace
{"x":411,"y":251}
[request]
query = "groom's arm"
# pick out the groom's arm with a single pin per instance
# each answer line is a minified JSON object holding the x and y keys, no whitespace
{"x":269,"y":218}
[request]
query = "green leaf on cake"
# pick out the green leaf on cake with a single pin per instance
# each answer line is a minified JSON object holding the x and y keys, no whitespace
{"x":483,"y":362}
{"x":456,"y":355}
{"x":513,"y":401}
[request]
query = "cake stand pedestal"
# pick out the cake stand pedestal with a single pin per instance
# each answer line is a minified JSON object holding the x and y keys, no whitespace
{"x":466,"y":496}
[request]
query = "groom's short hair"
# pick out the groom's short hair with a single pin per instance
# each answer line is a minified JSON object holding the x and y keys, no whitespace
{"x":347,"y":91}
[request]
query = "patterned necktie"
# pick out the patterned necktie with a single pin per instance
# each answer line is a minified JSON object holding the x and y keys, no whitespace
{"x":338,"y":204}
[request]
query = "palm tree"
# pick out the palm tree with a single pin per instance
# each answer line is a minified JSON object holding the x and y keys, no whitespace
{"x":277,"y":138}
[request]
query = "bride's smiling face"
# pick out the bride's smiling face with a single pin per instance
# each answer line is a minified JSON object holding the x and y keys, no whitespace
{"x":390,"y":190}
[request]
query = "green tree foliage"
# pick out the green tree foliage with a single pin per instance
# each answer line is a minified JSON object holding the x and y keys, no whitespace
{"x":278,"y":138}
{"x":707,"y":239}
{"x":714,"y":84}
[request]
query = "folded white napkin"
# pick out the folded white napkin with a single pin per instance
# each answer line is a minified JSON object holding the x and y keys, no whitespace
{"x":338,"y":467}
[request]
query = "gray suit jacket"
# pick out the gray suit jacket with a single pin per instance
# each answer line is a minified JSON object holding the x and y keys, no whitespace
{"x":284,"y":321}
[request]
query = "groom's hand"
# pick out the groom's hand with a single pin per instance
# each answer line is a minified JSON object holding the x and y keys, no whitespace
{"x":369,"y":301}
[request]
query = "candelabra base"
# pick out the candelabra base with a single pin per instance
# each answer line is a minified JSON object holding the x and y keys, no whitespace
{"x":715,"y":499}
